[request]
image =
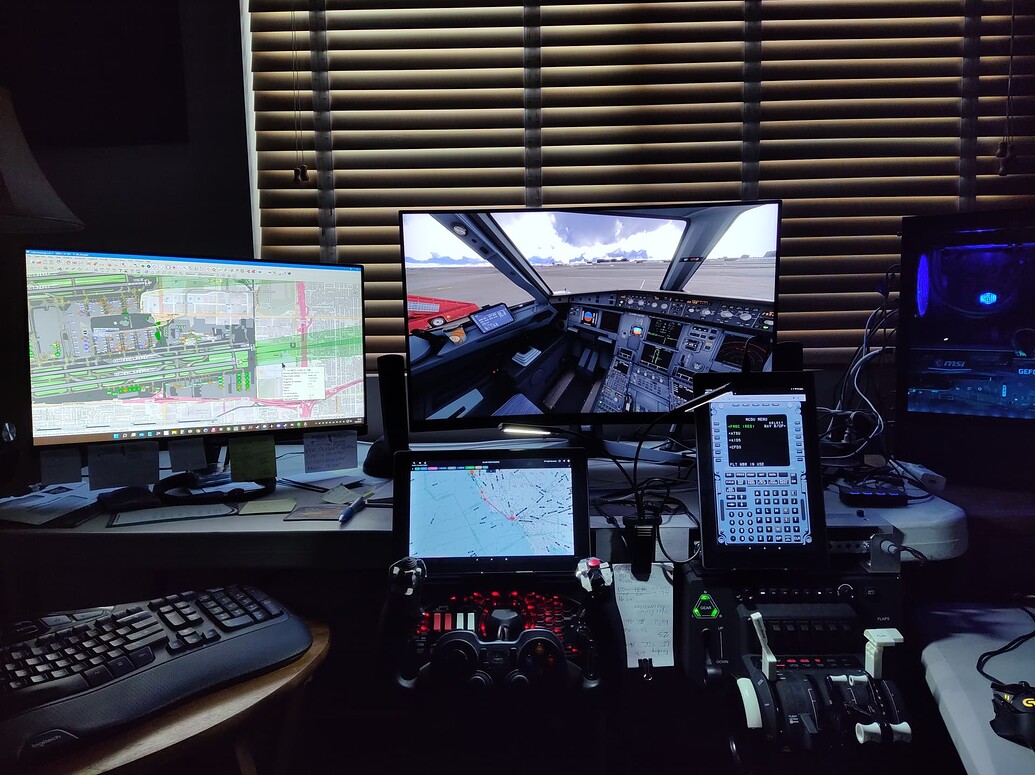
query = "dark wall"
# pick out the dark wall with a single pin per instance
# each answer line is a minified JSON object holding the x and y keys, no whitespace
{"x":135,"y":113}
{"x":151,"y":152}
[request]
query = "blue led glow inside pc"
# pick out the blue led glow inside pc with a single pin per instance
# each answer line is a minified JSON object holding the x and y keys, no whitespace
{"x":965,"y":350}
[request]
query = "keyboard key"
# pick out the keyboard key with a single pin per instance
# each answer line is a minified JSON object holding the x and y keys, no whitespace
{"x":173,"y":619}
{"x":41,"y":693}
{"x":136,"y":636}
{"x":96,"y":676}
{"x":236,"y":623}
{"x":141,"y":657}
{"x":56,"y":621}
{"x":120,"y":666}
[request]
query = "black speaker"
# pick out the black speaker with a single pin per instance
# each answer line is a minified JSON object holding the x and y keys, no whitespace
{"x":788,"y":356}
{"x":395,"y":416}
{"x":19,"y":459}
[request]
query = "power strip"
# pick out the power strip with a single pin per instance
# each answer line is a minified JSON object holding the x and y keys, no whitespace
{"x":857,"y":546}
{"x":874,"y":497}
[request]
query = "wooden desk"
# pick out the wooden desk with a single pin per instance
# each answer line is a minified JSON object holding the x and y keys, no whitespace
{"x":211,"y":718}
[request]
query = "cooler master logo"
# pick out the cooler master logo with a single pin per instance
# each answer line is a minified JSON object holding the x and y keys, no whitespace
{"x":951,"y":364}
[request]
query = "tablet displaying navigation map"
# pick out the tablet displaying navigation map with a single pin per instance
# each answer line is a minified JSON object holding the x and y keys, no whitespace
{"x":493,"y":510}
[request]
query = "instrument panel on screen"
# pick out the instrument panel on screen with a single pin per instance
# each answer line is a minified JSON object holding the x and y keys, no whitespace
{"x":611,"y":311}
{"x":661,"y":341}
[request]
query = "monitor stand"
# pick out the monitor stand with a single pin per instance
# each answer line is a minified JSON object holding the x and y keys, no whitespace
{"x":379,"y":459}
{"x":627,"y":450}
{"x":176,"y":489}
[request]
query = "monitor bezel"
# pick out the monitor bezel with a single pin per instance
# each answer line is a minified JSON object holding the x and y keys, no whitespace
{"x":585,"y":419}
{"x":718,"y":556}
{"x":465,"y":566}
{"x":215,"y":440}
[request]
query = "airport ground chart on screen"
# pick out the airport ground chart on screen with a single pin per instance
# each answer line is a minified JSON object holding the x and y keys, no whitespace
{"x":489,"y":511}
{"x":124,"y":349}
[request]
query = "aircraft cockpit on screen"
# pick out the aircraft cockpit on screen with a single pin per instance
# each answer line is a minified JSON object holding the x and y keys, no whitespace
{"x":583,"y":315}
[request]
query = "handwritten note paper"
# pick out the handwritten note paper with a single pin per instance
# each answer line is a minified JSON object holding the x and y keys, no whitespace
{"x":187,"y":454}
{"x":329,"y":451}
{"x":122,"y":465}
{"x":646,"y":608}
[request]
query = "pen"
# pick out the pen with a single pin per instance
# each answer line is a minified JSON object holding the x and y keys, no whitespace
{"x":352,"y":509}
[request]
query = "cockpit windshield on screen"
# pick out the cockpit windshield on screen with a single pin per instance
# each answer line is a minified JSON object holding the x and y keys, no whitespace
{"x":581,"y":315}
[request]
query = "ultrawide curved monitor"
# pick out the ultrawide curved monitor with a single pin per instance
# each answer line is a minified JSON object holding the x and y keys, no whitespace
{"x":585,"y":316}
{"x":125,"y":347}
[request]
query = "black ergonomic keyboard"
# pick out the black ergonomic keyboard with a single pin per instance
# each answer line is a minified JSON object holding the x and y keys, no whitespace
{"x":71,"y":675}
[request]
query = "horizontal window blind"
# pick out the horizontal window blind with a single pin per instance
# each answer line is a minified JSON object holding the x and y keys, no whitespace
{"x":854,"y":113}
{"x":871,"y":112}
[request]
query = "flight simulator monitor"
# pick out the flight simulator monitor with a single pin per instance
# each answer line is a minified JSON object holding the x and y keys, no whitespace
{"x":583,"y":316}
{"x":965,"y":350}
{"x":126,"y":347}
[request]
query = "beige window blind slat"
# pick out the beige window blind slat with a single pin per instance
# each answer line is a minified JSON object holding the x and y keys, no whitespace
{"x":860,"y":115}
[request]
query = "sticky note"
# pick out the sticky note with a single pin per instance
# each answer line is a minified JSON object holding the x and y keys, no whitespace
{"x":329,"y":450}
{"x":187,"y":454}
{"x":60,"y":465}
{"x":252,"y":458}
{"x":134,"y":463}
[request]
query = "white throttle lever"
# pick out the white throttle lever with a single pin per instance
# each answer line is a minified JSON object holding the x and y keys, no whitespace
{"x":768,"y":659}
{"x":871,"y":733}
{"x":876,"y":641}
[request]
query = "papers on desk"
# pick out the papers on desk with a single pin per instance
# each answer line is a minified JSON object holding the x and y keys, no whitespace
{"x":324,"y":513}
{"x":268,"y":506}
{"x":39,"y":508}
{"x":345,"y":492}
{"x":646,"y":608}
{"x":171,"y":514}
